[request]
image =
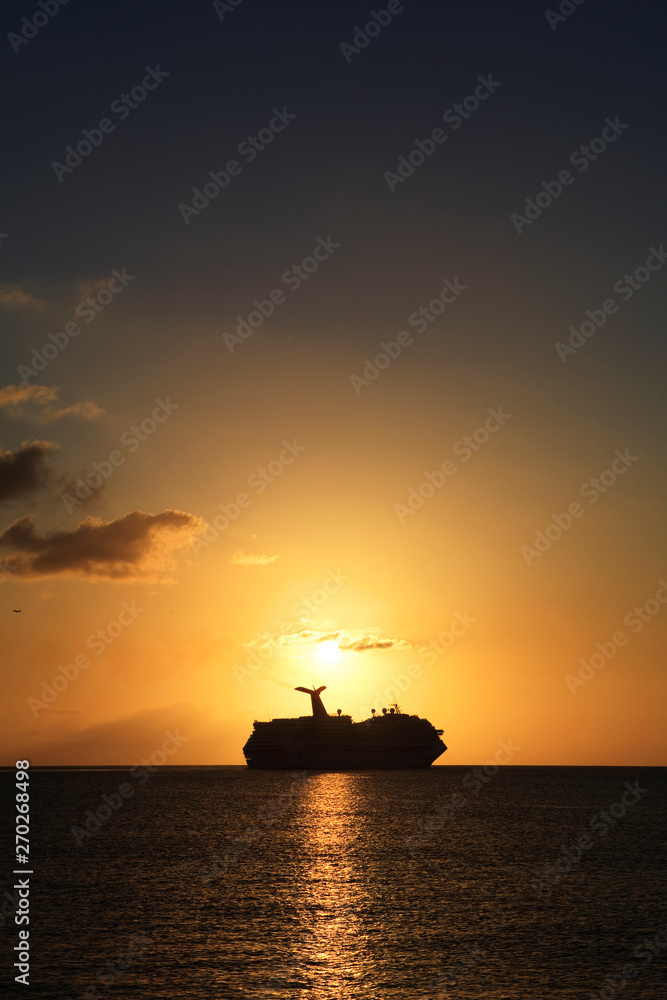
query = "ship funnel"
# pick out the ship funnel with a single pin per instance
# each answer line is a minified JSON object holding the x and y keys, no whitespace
{"x":318,"y":707}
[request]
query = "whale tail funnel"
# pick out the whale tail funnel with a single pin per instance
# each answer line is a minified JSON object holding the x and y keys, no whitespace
{"x":316,"y":701}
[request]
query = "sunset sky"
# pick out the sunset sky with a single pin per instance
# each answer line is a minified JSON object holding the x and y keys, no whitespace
{"x":202,"y":482}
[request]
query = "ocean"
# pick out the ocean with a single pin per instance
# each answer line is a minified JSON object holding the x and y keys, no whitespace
{"x":229,"y":884}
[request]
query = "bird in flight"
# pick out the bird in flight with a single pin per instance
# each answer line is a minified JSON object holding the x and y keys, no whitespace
{"x":17,"y":611}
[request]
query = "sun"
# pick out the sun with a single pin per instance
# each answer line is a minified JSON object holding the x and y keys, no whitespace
{"x":328,"y":651}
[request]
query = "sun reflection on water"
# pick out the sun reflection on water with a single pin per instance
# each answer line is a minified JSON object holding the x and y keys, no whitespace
{"x":333,"y":890}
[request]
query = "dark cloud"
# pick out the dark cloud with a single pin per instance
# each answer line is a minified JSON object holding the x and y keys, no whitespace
{"x":27,"y":473}
{"x":26,"y":470}
{"x":370,"y":642}
{"x":137,"y":546}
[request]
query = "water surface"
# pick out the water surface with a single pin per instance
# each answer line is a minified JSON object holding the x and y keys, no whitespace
{"x":229,"y":883}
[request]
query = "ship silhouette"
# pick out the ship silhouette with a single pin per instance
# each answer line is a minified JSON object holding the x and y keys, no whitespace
{"x":323,"y":742}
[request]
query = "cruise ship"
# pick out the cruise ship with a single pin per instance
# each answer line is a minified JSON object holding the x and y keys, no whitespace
{"x":323,"y":742}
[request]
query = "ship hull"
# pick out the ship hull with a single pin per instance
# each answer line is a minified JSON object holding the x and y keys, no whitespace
{"x":306,"y":761}
{"x":330,"y":745}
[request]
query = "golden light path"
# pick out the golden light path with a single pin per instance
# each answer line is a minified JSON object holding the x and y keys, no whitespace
{"x":332,"y":892}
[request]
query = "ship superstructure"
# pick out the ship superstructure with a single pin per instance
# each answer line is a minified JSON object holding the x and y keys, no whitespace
{"x":326,"y":742}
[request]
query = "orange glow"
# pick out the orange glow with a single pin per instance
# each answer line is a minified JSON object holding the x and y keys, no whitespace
{"x":440,"y":613}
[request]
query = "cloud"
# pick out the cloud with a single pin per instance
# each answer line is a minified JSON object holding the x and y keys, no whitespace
{"x":35,"y":404}
{"x":356,"y":642}
{"x":90,"y":286}
{"x":198,"y":729}
{"x":137,"y":546}
{"x":360,"y":645}
{"x":241,"y":559}
{"x":25,"y":470}
{"x":16,"y":297}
